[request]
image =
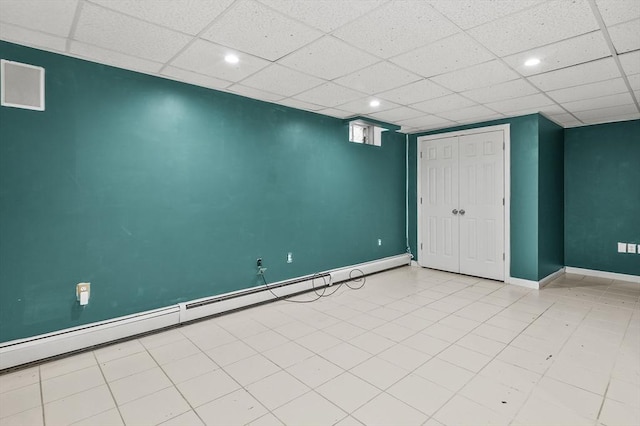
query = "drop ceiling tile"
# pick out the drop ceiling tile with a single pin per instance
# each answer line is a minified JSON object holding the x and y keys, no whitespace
{"x":326,"y":15}
{"x":195,"y":78}
{"x":634,"y":82}
{"x":598,"y":103}
{"x":552,"y":109}
{"x":606,"y":113}
{"x":207,"y":58}
{"x":586,"y":91}
{"x":337,"y":113}
{"x":251,"y":92}
{"x":328,"y":58}
{"x":427,"y":122}
{"x":470,"y":13}
{"x":630,"y":62}
{"x":501,"y":91}
{"x":281,"y":80}
{"x":397,"y":27}
{"x":32,"y":38}
{"x":590,"y":72}
{"x":443,"y":104}
{"x":111,"y":30}
{"x":52,"y":17}
{"x":188,"y":16}
{"x":116,"y":59}
{"x":252,"y":27}
{"x":294,"y":103}
{"x":449,"y":54}
{"x":598,"y":119}
{"x":468,"y":113}
{"x":576,"y":50}
{"x":329,"y":95}
{"x":566,"y":120}
{"x":377,"y":78}
{"x":483,"y":75}
{"x":521,"y":103}
{"x":617,"y":11}
{"x":415,"y":92}
{"x":397,"y":114}
{"x":361,"y":106}
{"x":543,"y":24}
{"x":626,"y":37}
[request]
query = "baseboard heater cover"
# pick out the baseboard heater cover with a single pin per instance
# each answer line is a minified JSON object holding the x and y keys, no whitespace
{"x":23,"y":351}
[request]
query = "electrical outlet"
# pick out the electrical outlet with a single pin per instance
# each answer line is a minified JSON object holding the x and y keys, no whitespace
{"x":83,"y":291}
{"x":622,"y":247}
{"x":379,"y":242}
{"x":631,"y":248}
{"x":289,"y":257}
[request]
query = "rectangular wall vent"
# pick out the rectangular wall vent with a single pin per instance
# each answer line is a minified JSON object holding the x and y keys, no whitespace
{"x":21,"y":85}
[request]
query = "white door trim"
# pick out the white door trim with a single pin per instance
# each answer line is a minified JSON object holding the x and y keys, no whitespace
{"x":506,"y":129}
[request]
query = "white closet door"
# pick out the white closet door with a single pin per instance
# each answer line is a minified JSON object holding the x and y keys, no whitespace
{"x":439,"y":192}
{"x":481,"y":211}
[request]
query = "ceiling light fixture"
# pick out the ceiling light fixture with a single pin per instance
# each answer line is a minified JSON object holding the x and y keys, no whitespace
{"x":231,"y":58}
{"x":531,"y":62}
{"x":374,"y":103}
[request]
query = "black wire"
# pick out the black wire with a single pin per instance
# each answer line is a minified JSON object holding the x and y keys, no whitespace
{"x":355,"y":279}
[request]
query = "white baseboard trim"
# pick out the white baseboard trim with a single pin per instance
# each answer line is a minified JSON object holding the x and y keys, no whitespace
{"x":603,"y":274}
{"x":536,"y":285}
{"x":23,"y":351}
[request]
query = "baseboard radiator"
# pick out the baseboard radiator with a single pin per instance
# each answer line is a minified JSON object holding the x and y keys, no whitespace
{"x":24,"y":351}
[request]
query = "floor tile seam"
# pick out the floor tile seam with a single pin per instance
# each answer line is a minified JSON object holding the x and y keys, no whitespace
{"x":120,"y":357}
{"x":306,"y":393}
{"x":24,"y":386}
{"x":22,"y":411}
{"x":41,"y":396}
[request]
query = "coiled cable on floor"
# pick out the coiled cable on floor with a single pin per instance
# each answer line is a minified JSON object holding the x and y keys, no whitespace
{"x":355,"y":276}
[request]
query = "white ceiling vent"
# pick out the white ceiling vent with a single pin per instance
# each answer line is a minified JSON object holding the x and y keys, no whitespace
{"x":22,"y":85}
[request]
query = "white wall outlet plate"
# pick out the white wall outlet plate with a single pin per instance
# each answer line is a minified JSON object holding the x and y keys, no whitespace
{"x":83,"y":290}
{"x":289,"y":257}
{"x":379,"y":242}
{"x":622,"y":247}
{"x":631,"y":248}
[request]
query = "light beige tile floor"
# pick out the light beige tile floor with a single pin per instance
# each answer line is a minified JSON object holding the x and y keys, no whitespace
{"x":413,"y":347}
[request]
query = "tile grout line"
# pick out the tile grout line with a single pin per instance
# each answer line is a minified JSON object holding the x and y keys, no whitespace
{"x":115,"y":401}
{"x":44,"y":421}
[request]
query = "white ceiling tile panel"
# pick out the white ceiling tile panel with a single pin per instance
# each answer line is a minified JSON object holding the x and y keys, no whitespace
{"x":326,"y":15}
{"x":115,"y":31}
{"x":605,"y":113}
{"x":195,"y":78}
{"x":116,"y":59}
{"x":634,"y":82}
{"x":254,"y":93}
{"x":32,"y":38}
{"x":415,"y":92}
{"x":333,"y":112}
{"x":617,"y":11}
{"x":630,"y":62}
{"x":626,"y":37}
{"x":552,"y":109}
{"x":426,"y":122}
{"x":483,"y":75}
{"x":378,"y":78}
{"x":361,"y":106}
{"x":566,"y":119}
{"x":468,"y":113}
{"x":611,"y":118}
{"x":396,"y":114}
{"x":598,"y":103}
{"x":397,"y":27}
{"x":591,"y":90}
{"x":470,"y":13}
{"x":294,"y":103}
{"x":281,"y":80}
{"x":576,"y":50}
{"x":53,"y":17}
{"x":543,"y":24}
{"x":443,"y":104}
{"x":449,"y":54}
{"x":328,"y":58}
{"x":329,"y":95}
{"x":498,"y":92}
{"x":602,"y":69}
{"x":252,"y":27}
{"x":521,"y":103}
{"x":188,"y":16}
{"x":207,"y":58}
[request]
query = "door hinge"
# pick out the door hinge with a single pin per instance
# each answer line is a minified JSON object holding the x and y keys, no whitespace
{"x":420,"y":246}
{"x":503,"y":201}
{"x":420,"y":200}
{"x":503,"y":256}
{"x":420,"y":154}
{"x":503,"y":145}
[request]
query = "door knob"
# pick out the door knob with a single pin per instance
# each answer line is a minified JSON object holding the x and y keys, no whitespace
{"x":462,"y":212}
{"x":454,"y":211}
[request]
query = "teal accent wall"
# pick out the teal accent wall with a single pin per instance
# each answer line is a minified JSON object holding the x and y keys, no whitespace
{"x":602,"y":196}
{"x":159,"y":192}
{"x":550,"y":197}
{"x":524,"y":191}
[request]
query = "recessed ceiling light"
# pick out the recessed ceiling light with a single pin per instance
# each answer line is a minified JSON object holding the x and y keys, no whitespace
{"x":532,"y":62}
{"x":231,"y":58}
{"x":374,"y":103}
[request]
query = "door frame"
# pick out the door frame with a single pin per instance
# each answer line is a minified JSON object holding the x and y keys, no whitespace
{"x":506,"y":129}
